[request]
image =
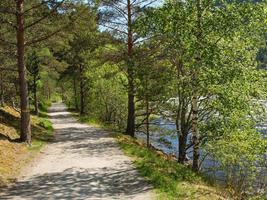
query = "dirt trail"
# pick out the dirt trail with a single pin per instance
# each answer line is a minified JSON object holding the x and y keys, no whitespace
{"x":82,"y":163}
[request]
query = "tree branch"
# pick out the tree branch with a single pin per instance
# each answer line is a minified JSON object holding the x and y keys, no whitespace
{"x":36,"y":6}
{"x":7,"y":42}
{"x":5,"y":21}
{"x":113,"y":28}
{"x":7,"y":69}
{"x":45,"y":16}
{"x":44,"y":37}
{"x":7,"y":10}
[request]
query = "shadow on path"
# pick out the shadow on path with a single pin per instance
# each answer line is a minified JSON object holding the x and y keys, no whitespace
{"x":80,"y":184}
{"x":82,"y":162}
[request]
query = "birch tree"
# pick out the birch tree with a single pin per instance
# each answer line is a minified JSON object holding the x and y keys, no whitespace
{"x":193,"y":35}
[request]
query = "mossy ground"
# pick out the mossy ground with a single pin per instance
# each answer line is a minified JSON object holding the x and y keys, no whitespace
{"x":13,"y":154}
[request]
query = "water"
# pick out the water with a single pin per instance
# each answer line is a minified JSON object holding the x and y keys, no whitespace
{"x":163,"y":137}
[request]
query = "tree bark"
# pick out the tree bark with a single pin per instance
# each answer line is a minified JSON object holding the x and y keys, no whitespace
{"x":181,"y":112}
{"x":25,"y":135}
{"x":182,"y":148}
{"x":130,"y":72}
{"x":131,"y":112}
{"x":182,"y":129}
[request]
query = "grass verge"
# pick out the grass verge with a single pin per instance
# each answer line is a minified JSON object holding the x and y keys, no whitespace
{"x":43,"y":132}
{"x":14,"y":156}
{"x":170,"y":179}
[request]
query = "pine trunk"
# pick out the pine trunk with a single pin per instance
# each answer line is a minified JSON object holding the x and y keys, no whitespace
{"x":25,"y":135}
{"x":131,"y":113}
{"x":130,"y":71}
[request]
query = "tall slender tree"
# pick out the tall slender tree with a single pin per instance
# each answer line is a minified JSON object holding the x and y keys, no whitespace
{"x":33,"y":66}
{"x":119,"y":17}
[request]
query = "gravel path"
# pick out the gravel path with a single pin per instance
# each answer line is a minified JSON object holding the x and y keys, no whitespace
{"x":83,"y":162}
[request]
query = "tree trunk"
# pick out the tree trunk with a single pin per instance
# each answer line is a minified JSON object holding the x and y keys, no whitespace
{"x":130,"y":72}
{"x":131,"y":113}
{"x":81,"y":92}
{"x":36,"y":108}
{"x":195,"y":133}
{"x":184,"y":128}
{"x":75,"y":93}
{"x":25,"y":135}
{"x":182,"y":148}
{"x":147,"y":123}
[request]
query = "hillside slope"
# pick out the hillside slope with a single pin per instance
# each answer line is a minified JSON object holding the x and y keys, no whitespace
{"x":14,"y":155}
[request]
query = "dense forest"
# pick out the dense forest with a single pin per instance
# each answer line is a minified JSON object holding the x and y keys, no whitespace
{"x":185,"y":77}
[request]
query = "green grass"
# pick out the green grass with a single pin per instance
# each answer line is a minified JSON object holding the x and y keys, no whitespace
{"x":42,"y":133}
{"x":44,"y":105}
{"x":37,"y":145}
{"x":94,"y":122}
{"x":42,"y":129}
{"x":43,"y":114}
{"x":170,"y":179}
{"x":46,"y":123}
{"x":89,"y":120}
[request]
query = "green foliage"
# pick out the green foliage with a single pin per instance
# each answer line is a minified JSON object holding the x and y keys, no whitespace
{"x":107,"y":96}
{"x":44,"y":105}
{"x":45,"y":123}
{"x":212,"y":50}
{"x":239,"y":150}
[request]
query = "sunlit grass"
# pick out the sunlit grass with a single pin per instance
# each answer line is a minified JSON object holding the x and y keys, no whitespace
{"x":43,"y":132}
{"x":89,"y":120}
{"x":170,"y":179}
